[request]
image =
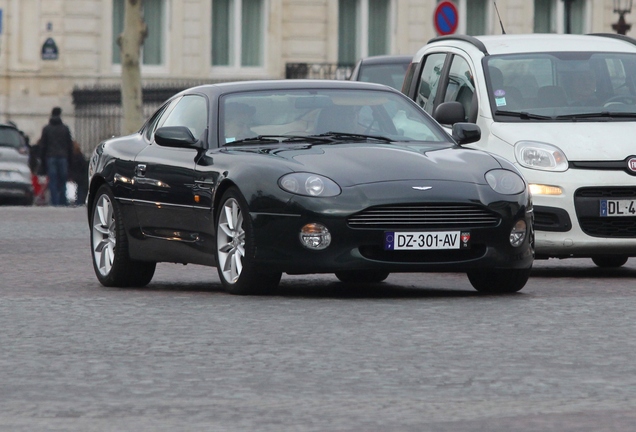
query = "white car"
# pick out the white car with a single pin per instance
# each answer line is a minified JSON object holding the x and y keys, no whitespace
{"x":16,"y":186}
{"x":562,"y":108}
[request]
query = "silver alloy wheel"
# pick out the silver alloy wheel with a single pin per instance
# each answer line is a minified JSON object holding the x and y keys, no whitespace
{"x":230,"y":240}
{"x":104,"y":231}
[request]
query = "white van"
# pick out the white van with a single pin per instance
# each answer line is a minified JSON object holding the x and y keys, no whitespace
{"x":563,"y":109}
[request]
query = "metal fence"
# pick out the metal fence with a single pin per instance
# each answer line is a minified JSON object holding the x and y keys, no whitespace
{"x":98,"y":110}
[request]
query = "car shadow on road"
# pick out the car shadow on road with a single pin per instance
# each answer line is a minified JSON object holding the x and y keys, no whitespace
{"x":583,"y":272}
{"x":383,"y":290}
{"x":294,"y":288}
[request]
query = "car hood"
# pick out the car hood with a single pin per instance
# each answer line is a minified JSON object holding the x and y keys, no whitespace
{"x":354,"y":164}
{"x":580,"y":141}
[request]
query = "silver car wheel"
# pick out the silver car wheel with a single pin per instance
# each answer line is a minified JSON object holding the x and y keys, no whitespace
{"x":231,"y":240}
{"x":103,"y":239}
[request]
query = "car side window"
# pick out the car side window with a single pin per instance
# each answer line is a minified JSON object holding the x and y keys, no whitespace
{"x":159,"y":116}
{"x":192,"y":112}
{"x":461,"y":87}
{"x":151,"y":124}
{"x":429,"y":80}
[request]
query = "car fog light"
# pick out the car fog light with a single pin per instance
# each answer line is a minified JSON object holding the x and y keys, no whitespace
{"x":518,"y":233}
{"x":315,"y":236}
{"x":539,"y":189}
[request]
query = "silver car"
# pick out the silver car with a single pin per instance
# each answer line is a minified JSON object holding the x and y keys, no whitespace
{"x":16,"y":186}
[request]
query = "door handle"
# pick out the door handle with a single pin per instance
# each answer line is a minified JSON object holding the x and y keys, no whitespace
{"x":140,"y":170}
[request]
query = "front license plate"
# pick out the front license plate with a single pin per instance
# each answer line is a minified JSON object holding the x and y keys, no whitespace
{"x":618,"y":207}
{"x":431,"y":240}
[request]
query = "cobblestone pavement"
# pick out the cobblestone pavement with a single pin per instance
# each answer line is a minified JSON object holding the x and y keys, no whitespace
{"x":420,"y":352}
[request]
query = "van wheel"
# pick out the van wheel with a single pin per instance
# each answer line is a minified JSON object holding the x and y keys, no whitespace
{"x":609,"y":261}
{"x":353,"y":276}
{"x":501,"y":281}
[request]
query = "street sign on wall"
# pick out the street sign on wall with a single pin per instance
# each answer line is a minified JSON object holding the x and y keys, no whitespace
{"x":446,"y":18}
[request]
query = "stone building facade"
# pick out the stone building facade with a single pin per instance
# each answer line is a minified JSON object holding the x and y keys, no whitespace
{"x":48,"y":48}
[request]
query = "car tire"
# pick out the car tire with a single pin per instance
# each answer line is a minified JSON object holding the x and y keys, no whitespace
{"x":501,"y":281}
{"x":609,"y":261}
{"x":27,"y":201}
{"x":359,"y":277}
{"x":235,"y":249}
{"x":109,"y":246}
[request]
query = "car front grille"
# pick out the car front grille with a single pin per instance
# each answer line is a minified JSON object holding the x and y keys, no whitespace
{"x":427,"y":216}
{"x":587,"y":204}
{"x":623,"y":227}
{"x":437,"y":256}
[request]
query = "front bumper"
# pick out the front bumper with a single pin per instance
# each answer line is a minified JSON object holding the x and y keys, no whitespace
{"x":16,"y":190}
{"x":570,"y":225}
{"x":362,"y":248}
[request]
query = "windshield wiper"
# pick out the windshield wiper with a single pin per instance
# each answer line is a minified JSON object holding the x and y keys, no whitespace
{"x":354,"y":136}
{"x":523,"y":115}
{"x":254,"y":140}
{"x":279,"y":139}
{"x":605,"y":114}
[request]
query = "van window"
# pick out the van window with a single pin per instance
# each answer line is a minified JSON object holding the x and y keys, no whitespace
{"x":429,"y":80}
{"x":461,"y":87}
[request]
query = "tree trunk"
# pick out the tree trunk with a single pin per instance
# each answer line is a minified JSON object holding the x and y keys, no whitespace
{"x":130,"y":42}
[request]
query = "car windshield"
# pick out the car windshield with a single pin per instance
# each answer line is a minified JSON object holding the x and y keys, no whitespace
{"x":377,"y":114}
{"x":9,"y":137}
{"x":562,"y":86}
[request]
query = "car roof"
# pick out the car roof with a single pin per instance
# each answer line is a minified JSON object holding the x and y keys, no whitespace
{"x":289,"y":84}
{"x":529,"y":43}
{"x":387,"y":59}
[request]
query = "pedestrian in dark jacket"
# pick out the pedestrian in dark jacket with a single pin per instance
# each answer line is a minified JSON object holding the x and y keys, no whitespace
{"x":56,"y":151}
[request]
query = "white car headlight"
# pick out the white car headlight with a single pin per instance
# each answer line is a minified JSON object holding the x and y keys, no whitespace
{"x":309,"y":185}
{"x":540,"y":156}
{"x":505,"y":182}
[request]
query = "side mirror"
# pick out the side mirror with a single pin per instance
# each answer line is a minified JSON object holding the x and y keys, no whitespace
{"x":466,"y":133}
{"x":449,"y":113}
{"x":176,"y":136}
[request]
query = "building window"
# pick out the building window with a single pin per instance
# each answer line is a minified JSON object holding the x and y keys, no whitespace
{"x":476,"y":14}
{"x":544,"y":16}
{"x":363,"y":29}
{"x":154,"y":17}
{"x":238,"y":32}
{"x":561,"y":16}
{"x":576,"y":17}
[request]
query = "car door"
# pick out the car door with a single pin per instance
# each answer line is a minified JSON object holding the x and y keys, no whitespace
{"x":164,"y":179}
{"x":447,"y":77}
{"x":460,"y":87}
{"x":429,"y":81}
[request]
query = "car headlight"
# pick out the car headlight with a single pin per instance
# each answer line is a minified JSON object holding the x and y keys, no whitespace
{"x":505,"y":182}
{"x":540,"y":156}
{"x":309,"y":185}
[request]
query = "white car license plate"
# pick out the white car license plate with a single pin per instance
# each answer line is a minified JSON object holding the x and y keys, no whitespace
{"x":428,"y":240}
{"x":618,"y":207}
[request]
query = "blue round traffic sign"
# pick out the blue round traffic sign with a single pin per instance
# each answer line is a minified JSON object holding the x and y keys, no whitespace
{"x":446,"y":18}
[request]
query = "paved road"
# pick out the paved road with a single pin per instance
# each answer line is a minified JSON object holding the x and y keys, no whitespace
{"x":423,"y":352}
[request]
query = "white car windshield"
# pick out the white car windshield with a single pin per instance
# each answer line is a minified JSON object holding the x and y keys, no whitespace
{"x":315,"y":112}
{"x":562,"y":85}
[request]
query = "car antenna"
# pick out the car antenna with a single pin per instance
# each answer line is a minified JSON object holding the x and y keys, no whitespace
{"x":499,"y":16}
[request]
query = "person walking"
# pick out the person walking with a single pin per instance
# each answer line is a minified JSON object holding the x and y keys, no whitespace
{"x":56,"y":147}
